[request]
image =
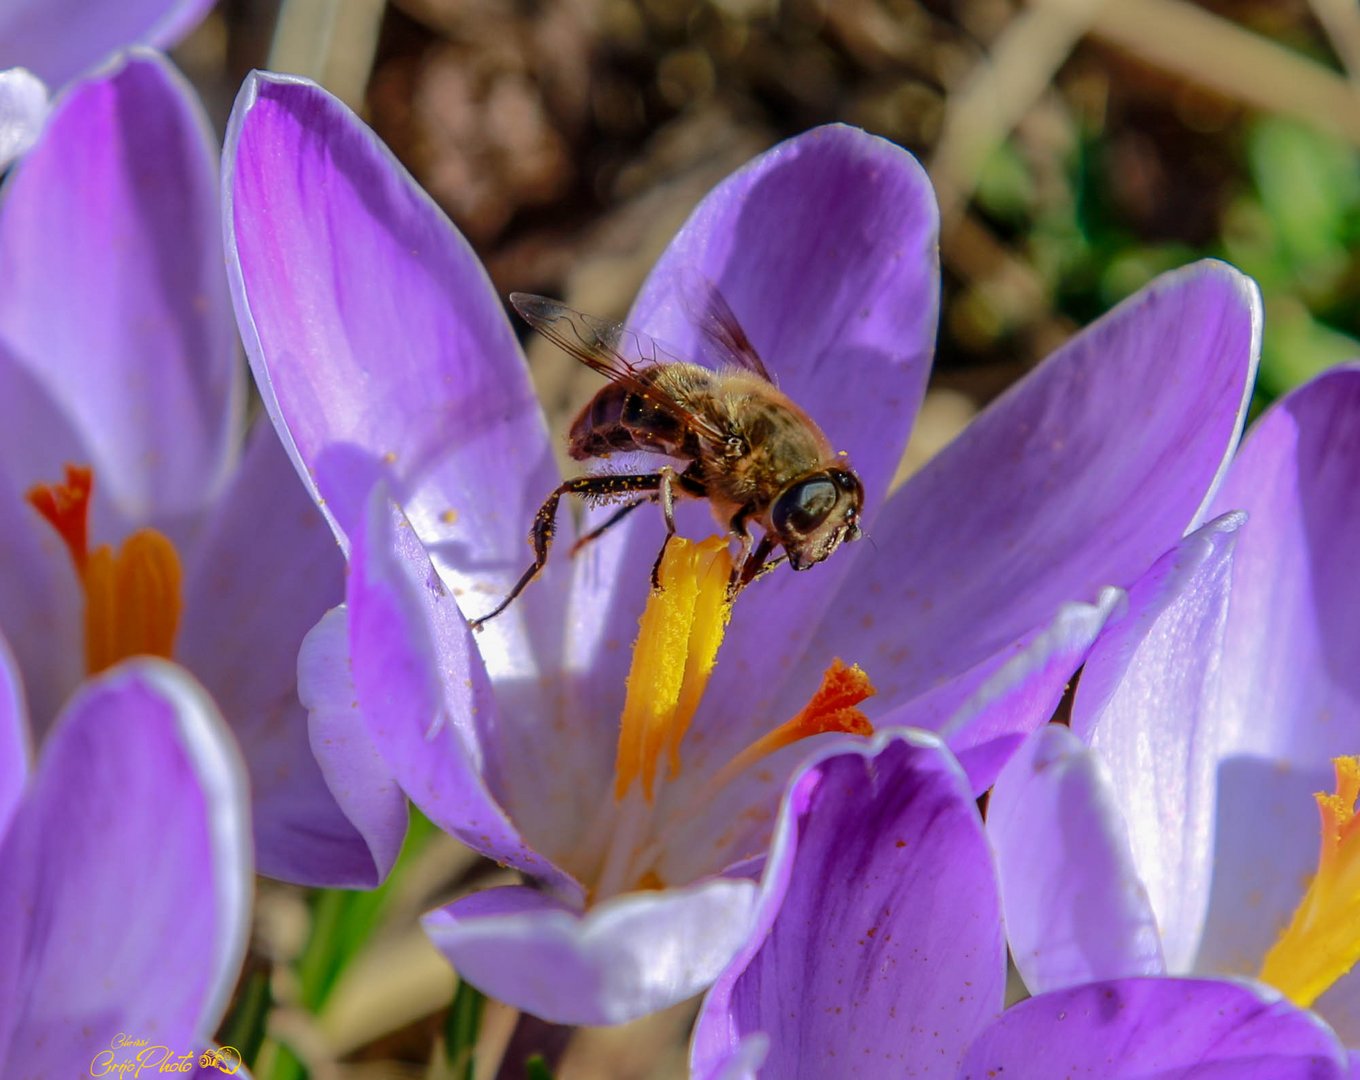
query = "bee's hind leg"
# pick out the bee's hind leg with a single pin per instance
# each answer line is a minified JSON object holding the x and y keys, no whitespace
{"x":609,"y":522}
{"x":545,"y":521}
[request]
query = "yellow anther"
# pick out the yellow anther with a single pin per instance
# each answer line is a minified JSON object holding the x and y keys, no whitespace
{"x":1322,"y":941}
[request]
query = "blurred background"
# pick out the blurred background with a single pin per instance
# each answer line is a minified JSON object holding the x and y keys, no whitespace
{"x":1078,"y":147}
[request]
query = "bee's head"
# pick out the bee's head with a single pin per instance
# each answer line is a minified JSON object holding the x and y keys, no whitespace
{"x":812,"y":515}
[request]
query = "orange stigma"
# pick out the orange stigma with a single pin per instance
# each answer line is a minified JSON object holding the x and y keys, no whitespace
{"x":832,"y":707}
{"x":133,"y":599}
{"x":67,"y":509}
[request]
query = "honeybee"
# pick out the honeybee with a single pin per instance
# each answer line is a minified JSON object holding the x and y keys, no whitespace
{"x":752,"y":452}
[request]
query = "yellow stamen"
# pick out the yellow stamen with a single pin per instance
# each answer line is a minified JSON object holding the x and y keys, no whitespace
{"x":1322,"y":942}
{"x":679,"y":634}
{"x":132,"y":599}
{"x":831,"y":708}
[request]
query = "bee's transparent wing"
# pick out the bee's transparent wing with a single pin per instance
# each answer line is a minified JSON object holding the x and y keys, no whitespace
{"x":617,"y":352}
{"x":709,"y":310}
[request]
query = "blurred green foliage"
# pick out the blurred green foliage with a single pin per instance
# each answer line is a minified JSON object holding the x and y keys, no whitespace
{"x":1294,"y":226}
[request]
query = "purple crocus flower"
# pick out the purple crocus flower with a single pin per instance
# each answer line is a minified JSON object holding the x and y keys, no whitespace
{"x":119,"y":357}
{"x":1182,"y":840}
{"x":389,"y":366}
{"x":878,"y":951}
{"x":134,"y":820}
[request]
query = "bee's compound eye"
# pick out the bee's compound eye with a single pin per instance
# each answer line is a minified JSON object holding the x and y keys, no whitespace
{"x":804,"y":506}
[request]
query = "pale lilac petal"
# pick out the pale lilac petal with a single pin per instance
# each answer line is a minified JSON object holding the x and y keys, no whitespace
{"x":382,"y":351}
{"x":1076,"y":479}
{"x":1075,"y":910}
{"x":265,"y":569}
{"x":427,"y":701}
{"x":1147,"y":703}
{"x":1340,"y":1007}
{"x":886,"y":953}
{"x":1136,"y":1029}
{"x":23,"y":108}
{"x":59,"y":39}
{"x":1268,"y":700}
{"x":1290,"y":685}
{"x":1009,"y":696}
{"x":986,"y":713}
{"x":40,"y":607}
{"x":125,"y":896}
{"x":626,"y":957}
{"x":15,"y":741}
{"x":743,"y":1063}
{"x":355,"y":772}
{"x":112,"y":291}
{"x":826,"y":249}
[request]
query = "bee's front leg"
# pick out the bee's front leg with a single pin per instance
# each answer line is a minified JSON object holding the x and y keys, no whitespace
{"x":749,"y":564}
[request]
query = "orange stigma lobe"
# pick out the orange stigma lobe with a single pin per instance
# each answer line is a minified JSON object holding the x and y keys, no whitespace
{"x":66,"y":507}
{"x":831,"y":708}
{"x":133,"y":599}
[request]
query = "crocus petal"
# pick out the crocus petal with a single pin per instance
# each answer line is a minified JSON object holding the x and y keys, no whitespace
{"x":825,"y":247}
{"x":40,"y":612}
{"x":137,"y":821}
{"x":58,"y":39}
{"x":1289,"y":684}
{"x":1133,"y":1029}
{"x":267,"y":567}
{"x":14,"y":736}
{"x":985,"y":713}
{"x":426,"y":698}
{"x":886,"y":951}
{"x":1147,"y":704}
{"x":1074,"y":907}
{"x":1076,"y":479}
{"x":355,"y":772}
{"x":382,"y":351}
{"x":23,"y":107}
{"x":112,"y":292}
{"x":1340,"y":1007}
{"x":626,"y":957}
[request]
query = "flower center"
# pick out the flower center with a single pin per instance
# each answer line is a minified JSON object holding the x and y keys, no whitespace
{"x":132,"y":598}
{"x":679,"y":635}
{"x":1322,"y":941}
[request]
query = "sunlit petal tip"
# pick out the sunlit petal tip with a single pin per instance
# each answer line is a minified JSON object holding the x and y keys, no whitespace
{"x":315,"y":204}
{"x":23,"y":108}
{"x":624,"y":958}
